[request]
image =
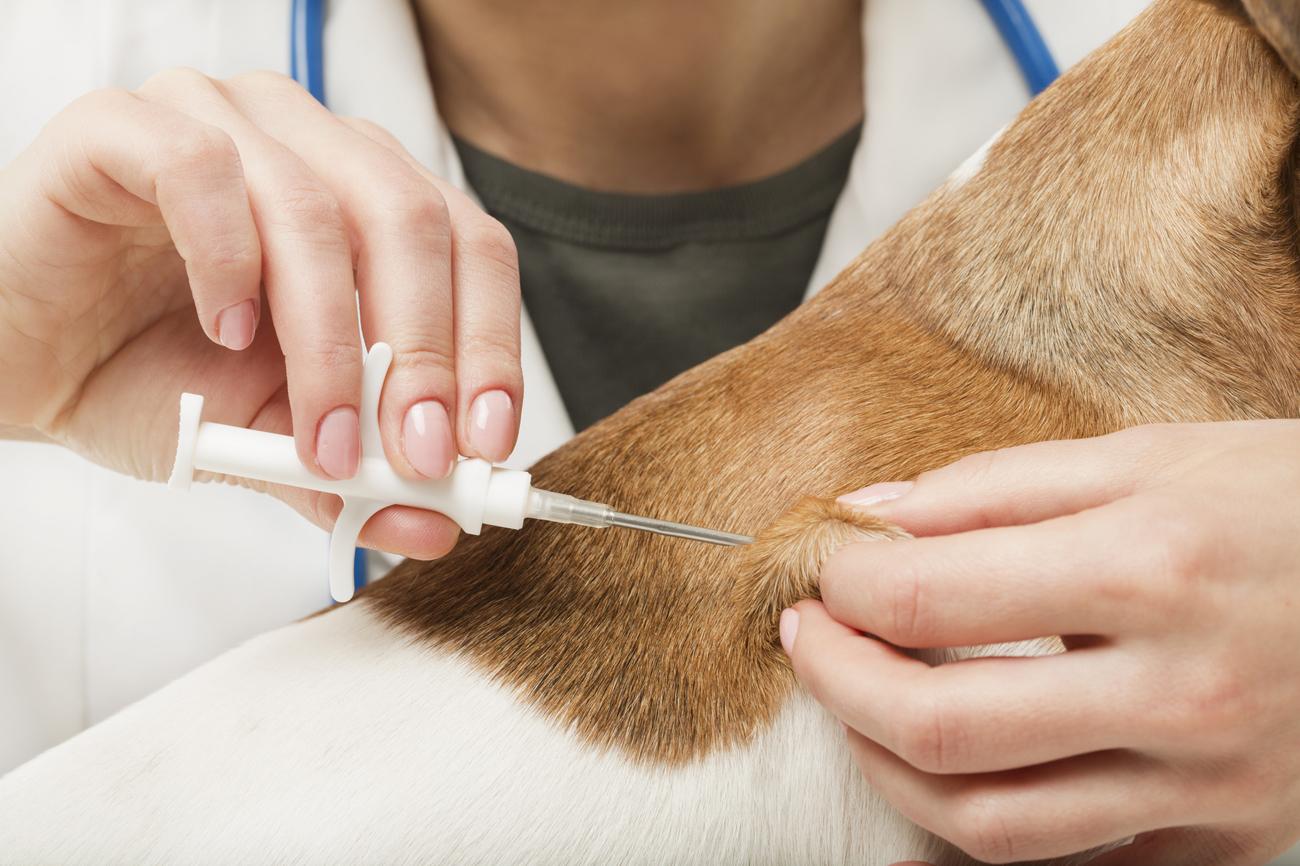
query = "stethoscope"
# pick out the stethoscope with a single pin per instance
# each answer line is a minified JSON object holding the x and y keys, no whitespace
{"x":307,"y":66}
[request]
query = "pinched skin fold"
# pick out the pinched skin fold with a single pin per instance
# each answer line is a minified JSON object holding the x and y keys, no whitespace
{"x":784,"y":563}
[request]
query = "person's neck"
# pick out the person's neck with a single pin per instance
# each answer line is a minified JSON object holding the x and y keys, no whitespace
{"x":649,"y":96}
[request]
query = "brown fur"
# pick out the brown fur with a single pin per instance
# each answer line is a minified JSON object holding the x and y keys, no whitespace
{"x":1128,"y":254}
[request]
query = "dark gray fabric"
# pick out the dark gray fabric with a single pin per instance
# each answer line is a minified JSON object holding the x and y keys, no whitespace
{"x":627,"y":291}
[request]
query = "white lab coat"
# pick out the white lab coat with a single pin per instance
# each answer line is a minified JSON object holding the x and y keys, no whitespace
{"x":110,"y":587}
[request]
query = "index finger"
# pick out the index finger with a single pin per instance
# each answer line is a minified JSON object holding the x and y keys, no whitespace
{"x":1022,"y":484}
{"x":192,"y":172}
{"x":307,"y":270}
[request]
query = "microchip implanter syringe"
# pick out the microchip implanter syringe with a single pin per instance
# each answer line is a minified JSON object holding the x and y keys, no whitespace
{"x":475,"y":494}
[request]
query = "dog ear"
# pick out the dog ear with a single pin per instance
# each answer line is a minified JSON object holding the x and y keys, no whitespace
{"x":1278,"y":21}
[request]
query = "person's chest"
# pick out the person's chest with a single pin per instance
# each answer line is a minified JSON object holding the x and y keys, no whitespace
{"x":647,"y":97}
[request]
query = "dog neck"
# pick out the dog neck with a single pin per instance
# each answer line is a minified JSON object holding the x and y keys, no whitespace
{"x":1131,"y":237}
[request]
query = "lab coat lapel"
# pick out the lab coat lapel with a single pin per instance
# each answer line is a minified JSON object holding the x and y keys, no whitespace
{"x":375,"y":68}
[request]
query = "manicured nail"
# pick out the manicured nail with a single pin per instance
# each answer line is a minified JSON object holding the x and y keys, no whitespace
{"x":338,"y":443}
{"x":427,"y":441}
{"x":789,"y":628}
{"x":236,"y":324}
{"x":877,"y":493}
{"x":492,"y":425}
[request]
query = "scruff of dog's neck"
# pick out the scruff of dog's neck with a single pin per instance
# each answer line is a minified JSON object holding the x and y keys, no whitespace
{"x":1126,"y":253}
{"x":1131,"y":237}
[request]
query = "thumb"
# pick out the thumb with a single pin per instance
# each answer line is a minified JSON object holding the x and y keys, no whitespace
{"x":1013,"y":486}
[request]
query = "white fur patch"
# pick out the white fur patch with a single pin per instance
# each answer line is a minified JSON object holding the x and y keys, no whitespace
{"x":337,"y":740}
{"x":973,"y":163}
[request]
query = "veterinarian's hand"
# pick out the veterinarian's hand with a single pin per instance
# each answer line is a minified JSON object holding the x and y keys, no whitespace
{"x":215,"y":236}
{"x":1169,"y":557}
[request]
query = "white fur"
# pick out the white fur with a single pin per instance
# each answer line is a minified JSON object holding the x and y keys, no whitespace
{"x":336,"y":740}
{"x":973,"y":163}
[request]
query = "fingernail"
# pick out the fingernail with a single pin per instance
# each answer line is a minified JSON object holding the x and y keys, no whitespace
{"x":492,"y":425}
{"x":877,"y":493}
{"x":789,"y":628}
{"x":338,"y":443}
{"x":427,"y":441}
{"x":236,"y":324}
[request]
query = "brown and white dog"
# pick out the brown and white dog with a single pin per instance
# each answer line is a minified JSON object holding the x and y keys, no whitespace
{"x":1125,"y":252}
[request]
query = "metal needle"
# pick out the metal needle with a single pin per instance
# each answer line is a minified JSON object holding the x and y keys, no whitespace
{"x":678,"y":530}
{"x":563,"y":508}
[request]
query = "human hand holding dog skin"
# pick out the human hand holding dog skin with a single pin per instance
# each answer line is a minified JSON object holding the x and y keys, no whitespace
{"x":1169,"y":559}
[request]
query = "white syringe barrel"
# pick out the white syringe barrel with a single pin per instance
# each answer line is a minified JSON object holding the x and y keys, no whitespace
{"x":474,"y":494}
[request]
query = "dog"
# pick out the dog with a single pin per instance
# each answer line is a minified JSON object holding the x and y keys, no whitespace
{"x":1124,"y":253}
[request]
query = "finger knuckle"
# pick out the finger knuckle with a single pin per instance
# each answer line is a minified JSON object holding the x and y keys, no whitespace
{"x":1180,"y":546}
{"x":1137,"y":591}
{"x":487,"y":243}
{"x":983,"y":829}
{"x":266,"y":81}
{"x":494,"y":350}
{"x":1151,"y":448}
{"x":310,"y":209}
{"x":197,"y":148}
{"x":374,"y":132}
{"x":426,"y":364}
{"x":906,"y":607}
{"x":176,"y":80}
{"x":1138,"y":436}
{"x":1217,"y":702}
{"x":1216,"y":709}
{"x":82,"y":113}
{"x":980,"y":470}
{"x":976,"y":468}
{"x":331,"y":356}
{"x":415,"y":208}
{"x":919,"y":745}
{"x":932,"y":738}
{"x":233,"y":252}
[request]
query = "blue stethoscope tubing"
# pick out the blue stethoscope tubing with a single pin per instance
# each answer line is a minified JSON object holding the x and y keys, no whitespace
{"x":306,"y":46}
{"x":1016,"y":27}
{"x":307,"y":66}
